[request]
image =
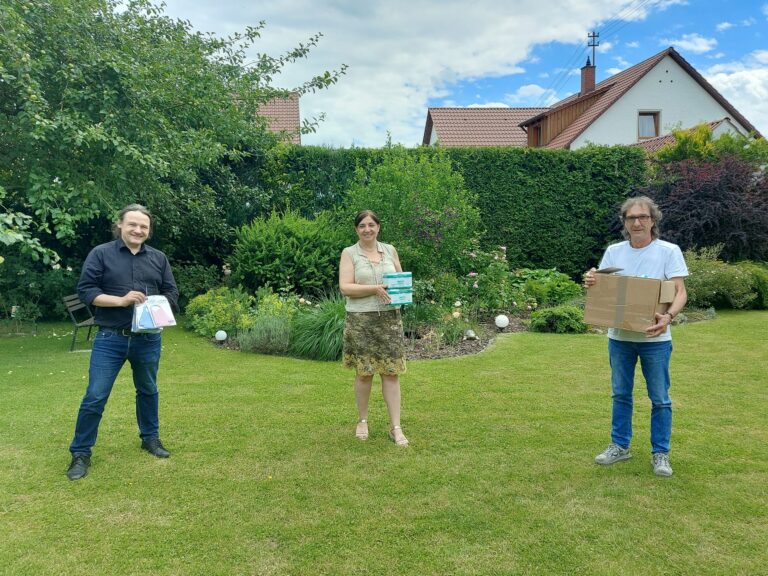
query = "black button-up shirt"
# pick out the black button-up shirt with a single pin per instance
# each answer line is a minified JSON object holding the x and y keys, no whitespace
{"x":114,"y":270}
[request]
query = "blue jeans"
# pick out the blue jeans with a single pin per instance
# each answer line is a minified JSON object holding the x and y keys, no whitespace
{"x":654,"y":361}
{"x":110,"y":351}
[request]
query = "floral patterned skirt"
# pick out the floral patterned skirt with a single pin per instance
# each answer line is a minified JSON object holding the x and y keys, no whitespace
{"x":374,"y":343}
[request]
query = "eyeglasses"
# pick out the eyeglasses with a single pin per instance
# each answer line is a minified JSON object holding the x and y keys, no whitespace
{"x":641,"y":218}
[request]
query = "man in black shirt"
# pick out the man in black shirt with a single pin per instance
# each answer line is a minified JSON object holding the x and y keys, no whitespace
{"x":116,"y":276}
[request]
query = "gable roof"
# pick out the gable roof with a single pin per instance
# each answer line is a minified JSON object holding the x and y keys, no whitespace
{"x":478,"y":126}
{"x":282,"y":116}
{"x":615,"y":87}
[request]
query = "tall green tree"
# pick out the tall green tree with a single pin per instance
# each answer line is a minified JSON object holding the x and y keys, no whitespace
{"x":104,"y":102}
{"x":426,"y":211}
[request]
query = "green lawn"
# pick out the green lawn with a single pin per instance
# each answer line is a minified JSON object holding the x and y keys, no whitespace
{"x":266,"y":476}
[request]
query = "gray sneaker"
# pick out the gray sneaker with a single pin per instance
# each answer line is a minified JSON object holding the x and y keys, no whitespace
{"x":661,"y":466}
{"x":614,"y":453}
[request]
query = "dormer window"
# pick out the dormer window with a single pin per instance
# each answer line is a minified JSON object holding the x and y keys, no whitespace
{"x":647,"y":125}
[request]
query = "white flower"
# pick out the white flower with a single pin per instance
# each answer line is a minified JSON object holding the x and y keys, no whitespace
{"x":456,"y":314}
{"x":302,"y":301}
{"x":457,"y":304}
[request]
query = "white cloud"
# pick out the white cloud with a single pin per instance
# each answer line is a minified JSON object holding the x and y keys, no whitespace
{"x":694,"y":43}
{"x":489,"y":105}
{"x":744,"y":83}
{"x":621,"y":61}
{"x":531,"y":95}
{"x":633,"y":44}
{"x":765,"y":10}
{"x":760,"y":56}
{"x":403,"y":54}
{"x":723,"y":26}
{"x":614,"y":71}
{"x":605,"y":47}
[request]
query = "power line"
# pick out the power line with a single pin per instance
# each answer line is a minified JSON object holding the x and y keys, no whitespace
{"x":610,"y":30}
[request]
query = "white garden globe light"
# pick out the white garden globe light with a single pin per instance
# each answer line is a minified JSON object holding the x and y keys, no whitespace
{"x":220,"y":336}
{"x":501,"y":321}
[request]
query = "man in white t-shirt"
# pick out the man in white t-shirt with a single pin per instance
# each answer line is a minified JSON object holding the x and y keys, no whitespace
{"x":642,"y":254}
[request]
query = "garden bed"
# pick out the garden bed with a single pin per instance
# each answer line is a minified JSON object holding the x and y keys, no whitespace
{"x":426,"y":348}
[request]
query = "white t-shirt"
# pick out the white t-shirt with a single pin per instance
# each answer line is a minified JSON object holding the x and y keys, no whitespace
{"x":660,"y":259}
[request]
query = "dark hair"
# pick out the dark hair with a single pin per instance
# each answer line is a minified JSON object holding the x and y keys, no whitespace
{"x":364,"y":214}
{"x":133,"y":208}
{"x":653,"y":208}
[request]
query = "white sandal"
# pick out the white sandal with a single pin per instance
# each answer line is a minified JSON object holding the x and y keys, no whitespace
{"x":403,"y":441}
{"x":362,"y":434}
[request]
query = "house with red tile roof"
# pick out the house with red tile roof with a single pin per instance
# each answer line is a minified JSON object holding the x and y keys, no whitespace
{"x":283,"y":118}
{"x":643,"y":102}
{"x":498,"y":126}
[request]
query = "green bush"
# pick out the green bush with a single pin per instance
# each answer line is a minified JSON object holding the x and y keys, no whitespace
{"x":270,"y":334}
{"x":271,"y":304}
{"x":547,"y":287}
{"x":35,"y":288}
{"x":222,"y":308}
{"x":289,"y":253}
{"x":563,"y":319}
{"x":489,"y":284}
{"x":426,"y":212}
{"x":759,"y":272}
{"x":318,"y":330}
{"x":713,"y":282}
{"x":444,"y":289}
{"x":193,"y":280}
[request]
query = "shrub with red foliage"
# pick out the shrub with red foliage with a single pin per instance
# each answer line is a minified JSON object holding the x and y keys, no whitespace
{"x":707,"y":203}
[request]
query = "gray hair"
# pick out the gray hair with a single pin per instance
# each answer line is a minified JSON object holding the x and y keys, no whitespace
{"x":653,"y":208}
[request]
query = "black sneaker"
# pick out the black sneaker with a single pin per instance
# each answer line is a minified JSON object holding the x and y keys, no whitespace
{"x":78,"y":467}
{"x":155,"y":447}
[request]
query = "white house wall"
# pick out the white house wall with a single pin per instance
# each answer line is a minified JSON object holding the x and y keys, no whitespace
{"x":668,"y":88}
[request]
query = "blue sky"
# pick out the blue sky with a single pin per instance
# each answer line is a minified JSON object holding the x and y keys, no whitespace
{"x":407,"y":55}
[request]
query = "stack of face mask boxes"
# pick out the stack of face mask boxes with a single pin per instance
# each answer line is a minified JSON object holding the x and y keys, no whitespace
{"x":399,"y":287}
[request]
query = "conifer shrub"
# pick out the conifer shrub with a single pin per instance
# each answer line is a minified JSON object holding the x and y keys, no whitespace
{"x":289,"y":253}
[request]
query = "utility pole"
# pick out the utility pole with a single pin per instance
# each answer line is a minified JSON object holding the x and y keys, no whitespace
{"x":592,"y":43}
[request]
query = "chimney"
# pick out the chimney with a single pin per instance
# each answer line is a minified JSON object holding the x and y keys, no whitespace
{"x":587,"y":78}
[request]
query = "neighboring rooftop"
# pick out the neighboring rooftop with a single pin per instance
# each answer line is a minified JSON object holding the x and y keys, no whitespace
{"x":283,"y":117}
{"x":615,"y":87}
{"x":478,"y":126}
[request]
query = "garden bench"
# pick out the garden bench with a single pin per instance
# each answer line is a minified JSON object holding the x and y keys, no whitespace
{"x":81,"y":316}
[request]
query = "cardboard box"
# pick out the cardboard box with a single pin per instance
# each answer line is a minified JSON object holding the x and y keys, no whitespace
{"x":626,"y":302}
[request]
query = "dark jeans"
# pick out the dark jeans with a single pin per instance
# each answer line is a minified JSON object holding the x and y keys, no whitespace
{"x":110,"y":351}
